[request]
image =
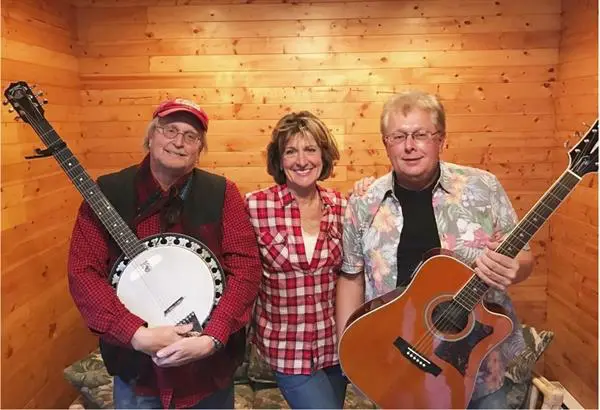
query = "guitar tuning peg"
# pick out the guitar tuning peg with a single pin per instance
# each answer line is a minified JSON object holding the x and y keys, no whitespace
{"x":17,"y":118}
{"x":11,"y":110}
{"x":39,"y":94}
{"x":5,"y":102}
{"x":44,"y":101}
{"x":33,"y":85}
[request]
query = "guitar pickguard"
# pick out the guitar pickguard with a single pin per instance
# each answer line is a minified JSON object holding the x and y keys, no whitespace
{"x":457,"y":352}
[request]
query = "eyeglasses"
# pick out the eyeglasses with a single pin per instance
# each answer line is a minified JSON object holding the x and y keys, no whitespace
{"x":418,"y":136}
{"x":172,"y":133}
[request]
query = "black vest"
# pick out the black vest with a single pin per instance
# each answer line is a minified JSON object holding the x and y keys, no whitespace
{"x":202,"y":208}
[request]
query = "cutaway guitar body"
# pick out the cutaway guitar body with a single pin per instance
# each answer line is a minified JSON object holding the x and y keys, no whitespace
{"x":422,"y":349}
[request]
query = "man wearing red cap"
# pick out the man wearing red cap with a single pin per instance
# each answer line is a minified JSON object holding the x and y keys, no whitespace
{"x":156,"y":367}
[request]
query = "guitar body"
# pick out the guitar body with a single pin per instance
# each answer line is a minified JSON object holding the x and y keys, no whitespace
{"x":402,"y":351}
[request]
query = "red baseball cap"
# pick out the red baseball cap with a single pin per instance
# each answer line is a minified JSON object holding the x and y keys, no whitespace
{"x":179,"y":104}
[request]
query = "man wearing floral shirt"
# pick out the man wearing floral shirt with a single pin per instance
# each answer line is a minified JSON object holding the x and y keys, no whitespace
{"x":426,"y":203}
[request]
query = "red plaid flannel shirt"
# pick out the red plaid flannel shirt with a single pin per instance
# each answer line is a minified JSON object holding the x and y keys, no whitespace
{"x":107,"y":317}
{"x":294,"y":317}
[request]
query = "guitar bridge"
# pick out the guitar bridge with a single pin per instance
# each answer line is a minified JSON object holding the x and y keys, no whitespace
{"x":416,"y":358}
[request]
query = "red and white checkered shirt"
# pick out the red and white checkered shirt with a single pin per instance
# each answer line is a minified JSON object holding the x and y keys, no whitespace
{"x":294,"y":316}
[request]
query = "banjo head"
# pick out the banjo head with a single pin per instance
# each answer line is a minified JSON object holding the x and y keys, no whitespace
{"x":176,"y":280}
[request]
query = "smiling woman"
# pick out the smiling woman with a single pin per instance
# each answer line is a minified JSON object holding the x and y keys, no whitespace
{"x":298,"y":224}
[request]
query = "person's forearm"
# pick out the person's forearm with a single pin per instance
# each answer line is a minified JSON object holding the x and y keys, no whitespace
{"x":350,"y":295}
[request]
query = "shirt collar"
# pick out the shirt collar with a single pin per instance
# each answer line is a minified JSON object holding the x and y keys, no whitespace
{"x":445,"y":180}
{"x":148,"y":186}
{"x":286,"y":197}
{"x":385,"y":185}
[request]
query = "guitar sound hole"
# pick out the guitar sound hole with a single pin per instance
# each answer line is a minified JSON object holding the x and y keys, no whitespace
{"x":449,"y":317}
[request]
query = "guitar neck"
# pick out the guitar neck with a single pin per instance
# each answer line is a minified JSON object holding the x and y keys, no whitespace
{"x":475,"y":289}
{"x":112,"y":221}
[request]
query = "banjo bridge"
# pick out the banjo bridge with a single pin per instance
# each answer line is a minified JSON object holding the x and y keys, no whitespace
{"x":173,"y":305}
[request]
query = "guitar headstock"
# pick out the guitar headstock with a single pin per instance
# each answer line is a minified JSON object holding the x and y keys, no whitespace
{"x":584,"y":155}
{"x":23,"y":100}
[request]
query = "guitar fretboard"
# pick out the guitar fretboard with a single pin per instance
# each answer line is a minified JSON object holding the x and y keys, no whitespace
{"x":475,"y":288}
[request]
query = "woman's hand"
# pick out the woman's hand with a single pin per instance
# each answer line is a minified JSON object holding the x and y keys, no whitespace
{"x":361,"y":186}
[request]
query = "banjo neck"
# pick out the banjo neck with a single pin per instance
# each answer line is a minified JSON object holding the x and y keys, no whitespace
{"x":30,"y":110}
{"x":104,"y":210}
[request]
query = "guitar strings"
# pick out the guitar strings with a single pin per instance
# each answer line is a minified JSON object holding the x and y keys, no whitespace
{"x":444,"y":321}
{"x":479,"y":284}
{"x":548,"y":195}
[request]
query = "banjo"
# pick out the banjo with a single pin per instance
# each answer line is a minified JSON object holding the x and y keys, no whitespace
{"x":165,"y":279}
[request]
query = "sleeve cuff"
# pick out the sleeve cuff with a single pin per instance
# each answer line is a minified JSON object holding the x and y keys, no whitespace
{"x":126,"y":327}
{"x":348,"y":269}
{"x":218,"y":330}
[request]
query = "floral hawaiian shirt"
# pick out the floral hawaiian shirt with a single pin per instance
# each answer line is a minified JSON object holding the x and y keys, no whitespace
{"x":470,"y":208}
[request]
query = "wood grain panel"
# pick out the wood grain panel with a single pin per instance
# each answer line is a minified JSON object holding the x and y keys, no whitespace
{"x":499,"y":96}
{"x":39,"y":55}
{"x":573,"y":249}
{"x":350,"y":77}
{"x":485,"y":58}
{"x":470,"y":23}
{"x":260,"y":12}
{"x":105,"y":64}
{"x":325,"y":110}
{"x":42,"y":332}
{"x":310,"y":45}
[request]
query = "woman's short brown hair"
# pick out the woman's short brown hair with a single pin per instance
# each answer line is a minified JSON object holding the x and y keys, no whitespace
{"x":304,"y":123}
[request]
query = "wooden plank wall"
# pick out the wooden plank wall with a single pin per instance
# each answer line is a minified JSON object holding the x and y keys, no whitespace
{"x":495,"y":65}
{"x":573,"y":251}
{"x":41,"y":330}
{"x":248,"y":63}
